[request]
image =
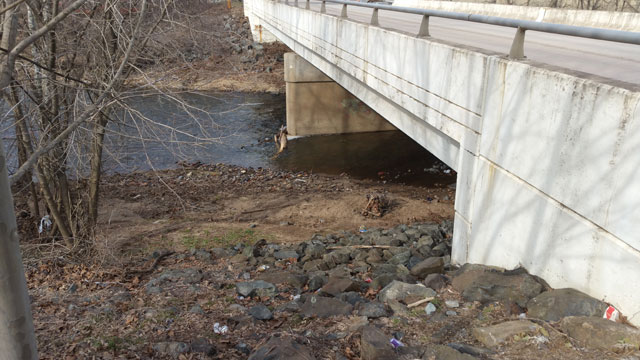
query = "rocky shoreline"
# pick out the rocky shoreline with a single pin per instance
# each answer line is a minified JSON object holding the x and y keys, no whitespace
{"x":376,"y":294}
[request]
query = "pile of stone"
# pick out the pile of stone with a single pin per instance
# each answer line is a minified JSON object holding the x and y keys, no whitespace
{"x":365,"y":277}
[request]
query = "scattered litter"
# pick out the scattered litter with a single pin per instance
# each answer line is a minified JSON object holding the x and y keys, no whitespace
{"x":396,"y":343}
{"x":45,"y":224}
{"x":262,"y":268}
{"x":368,"y":280}
{"x":220,"y":329}
{"x":611,"y":314}
{"x":540,"y":339}
{"x":296,"y":297}
{"x":240,"y":297}
{"x":362,"y":229}
{"x":522,"y":316}
{"x":447,"y":171}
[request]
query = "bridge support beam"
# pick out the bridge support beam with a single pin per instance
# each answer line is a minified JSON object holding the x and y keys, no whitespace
{"x":317,"y":105}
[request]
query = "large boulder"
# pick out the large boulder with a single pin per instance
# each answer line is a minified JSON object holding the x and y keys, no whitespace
{"x":375,"y":345}
{"x":484,"y":284}
{"x":407,"y":293}
{"x":325,"y":307}
{"x":281,"y":349}
{"x":255,"y":288}
{"x":493,"y":336}
{"x":603,"y":334}
{"x":556,"y":304}
{"x":338,"y":285}
{"x":432,"y":265}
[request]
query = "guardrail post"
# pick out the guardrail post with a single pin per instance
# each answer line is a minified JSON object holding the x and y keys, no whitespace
{"x":424,"y":27}
{"x":323,"y":7}
{"x":343,"y":13}
{"x":307,"y":6}
{"x":374,"y":18}
{"x":517,"y":47}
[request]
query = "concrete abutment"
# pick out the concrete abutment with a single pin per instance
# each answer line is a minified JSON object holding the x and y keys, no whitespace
{"x":317,"y":105}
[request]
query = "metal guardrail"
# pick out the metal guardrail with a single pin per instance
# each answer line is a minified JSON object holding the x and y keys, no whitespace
{"x":517,"y":47}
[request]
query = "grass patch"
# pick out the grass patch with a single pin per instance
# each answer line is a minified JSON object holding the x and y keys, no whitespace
{"x":233,"y":237}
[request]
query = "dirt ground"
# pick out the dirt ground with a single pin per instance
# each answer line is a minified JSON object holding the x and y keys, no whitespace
{"x":229,"y":60}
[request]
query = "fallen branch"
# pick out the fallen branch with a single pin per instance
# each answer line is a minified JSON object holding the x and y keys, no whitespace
{"x":361,"y":247}
{"x":152,"y":267}
{"x":420,"y":302}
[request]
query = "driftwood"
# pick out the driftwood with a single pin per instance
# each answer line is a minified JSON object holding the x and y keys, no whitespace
{"x":376,"y":206}
{"x":280,"y":139}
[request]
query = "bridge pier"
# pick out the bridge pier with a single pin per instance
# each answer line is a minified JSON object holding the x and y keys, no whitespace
{"x":317,"y":105}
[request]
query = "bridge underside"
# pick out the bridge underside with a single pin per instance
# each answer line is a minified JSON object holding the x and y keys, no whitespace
{"x":547,"y":162}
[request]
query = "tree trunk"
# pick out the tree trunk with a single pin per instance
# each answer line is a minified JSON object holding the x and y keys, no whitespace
{"x":17,"y":338}
{"x":96,"y":169}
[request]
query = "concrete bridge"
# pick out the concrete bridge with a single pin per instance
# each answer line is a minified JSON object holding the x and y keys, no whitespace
{"x":547,"y":148}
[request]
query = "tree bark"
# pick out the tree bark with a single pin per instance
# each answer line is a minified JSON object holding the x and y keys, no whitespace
{"x":17,"y":338}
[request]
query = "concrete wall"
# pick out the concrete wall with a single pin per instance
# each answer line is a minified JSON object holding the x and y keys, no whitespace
{"x":547,"y":162}
{"x":601,"y":19}
{"x":317,"y":105}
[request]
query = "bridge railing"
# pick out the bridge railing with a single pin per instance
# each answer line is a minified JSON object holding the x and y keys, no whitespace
{"x":517,"y":46}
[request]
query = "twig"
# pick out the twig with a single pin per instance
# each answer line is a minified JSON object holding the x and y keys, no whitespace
{"x":419,"y":302}
{"x":361,"y":247}
{"x":153,"y":266}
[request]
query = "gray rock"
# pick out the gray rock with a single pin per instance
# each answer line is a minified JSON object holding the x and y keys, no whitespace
{"x":286,"y":254}
{"x":315,"y":265}
{"x":336,"y":258}
{"x":603,"y":334}
{"x":372,"y":310}
{"x":383,"y":280}
{"x":281,"y":349}
{"x":202,"y":346}
{"x":440,"y":249}
{"x":430,"y":309}
{"x":452,"y":303}
{"x":471,"y":350}
{"x":261,"y":312}
{"x":256,"y":288}
{"x":483,"y":284}
{"x":314,"y":250}
{"x":436,"y":281}
{"x":187,"y":276}
{"x":316,"y":282}
{"x":442,"y":352}
{"x":336,"y":285}
{"x":237,"y":308}
{"x":291,"y":306}
{"x":451,"y":313}
{"x":172,"y":348}
{"x":203,"y":255}
{"x":400,"y":258}
{"x":374,"y":344}
{"x":196,"y":309}
{"x":493,"y":336}
{"x":325,"y":307}
{"x":351,"y":297}
{"x":243,"y":348}
{"x":284,"y":277}
{"x":432,"y":265}
{"x":401,"y":291}
{"x":556,"y":304}
{"x":425,"y":240}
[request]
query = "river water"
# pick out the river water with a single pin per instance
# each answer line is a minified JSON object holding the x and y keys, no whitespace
{"x":238,"y":128}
